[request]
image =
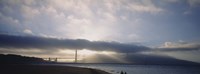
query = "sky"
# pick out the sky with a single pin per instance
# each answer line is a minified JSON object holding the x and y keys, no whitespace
{"x":50,"y":27}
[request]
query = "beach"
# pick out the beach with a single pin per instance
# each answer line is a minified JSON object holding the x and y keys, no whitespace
{"x":46,"y":69}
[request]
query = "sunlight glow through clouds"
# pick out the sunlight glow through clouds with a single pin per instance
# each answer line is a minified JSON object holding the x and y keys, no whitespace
{"x":85,"y":53}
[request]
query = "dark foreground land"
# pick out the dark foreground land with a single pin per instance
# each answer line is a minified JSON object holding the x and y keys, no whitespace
{"x":46,"y":69}
{"x":17,"y":64}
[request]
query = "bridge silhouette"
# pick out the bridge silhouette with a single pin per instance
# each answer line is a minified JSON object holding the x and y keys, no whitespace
{"x":53,"y":59}
{"x":56,"y":59}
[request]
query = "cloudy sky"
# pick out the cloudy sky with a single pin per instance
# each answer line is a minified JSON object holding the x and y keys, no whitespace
{"x":114,"y":25}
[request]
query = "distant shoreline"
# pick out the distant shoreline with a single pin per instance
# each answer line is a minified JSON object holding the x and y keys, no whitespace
{"x":46,"y":69}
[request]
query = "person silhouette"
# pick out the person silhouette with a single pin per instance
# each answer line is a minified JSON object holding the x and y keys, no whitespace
{"x":125,"y":73}
{"x":121,"y":72}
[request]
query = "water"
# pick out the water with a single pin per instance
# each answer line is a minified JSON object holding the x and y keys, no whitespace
{"x":140,"y":69}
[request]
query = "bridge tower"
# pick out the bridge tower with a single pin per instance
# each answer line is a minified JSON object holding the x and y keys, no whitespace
{"x":76,"y":56}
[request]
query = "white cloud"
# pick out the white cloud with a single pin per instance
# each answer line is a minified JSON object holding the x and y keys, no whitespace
{"x":194,"y":3}
{"x":188,"y":12}
{"x":7,"y":9}
{"x":29,"y":12}
{"x":92,"y":29}
{"x":28,"y":2}
{"x":7,"y":20}
{"x":27,"y":31}
{"x":123,"y":17}
{"x":172,"y":1}
{"x":180,"y":44}
{"x":144,"y":6}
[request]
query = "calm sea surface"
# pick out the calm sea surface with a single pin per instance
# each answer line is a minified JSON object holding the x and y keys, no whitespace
{"x":140,"y":69}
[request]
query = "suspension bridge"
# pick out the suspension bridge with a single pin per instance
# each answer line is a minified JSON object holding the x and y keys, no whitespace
{"x":56,"y":59}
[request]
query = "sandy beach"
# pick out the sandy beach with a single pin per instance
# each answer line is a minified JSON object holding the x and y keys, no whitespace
{"x":46,"y":69}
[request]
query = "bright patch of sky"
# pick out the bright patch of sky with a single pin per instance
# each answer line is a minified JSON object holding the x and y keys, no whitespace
{"x":127,"y":21}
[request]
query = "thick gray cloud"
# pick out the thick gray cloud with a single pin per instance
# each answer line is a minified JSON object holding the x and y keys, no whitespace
{"x":177,"y":49}
{"x":29,"y":42}
{"x":45,"y":43}
{"x":179,"y":46}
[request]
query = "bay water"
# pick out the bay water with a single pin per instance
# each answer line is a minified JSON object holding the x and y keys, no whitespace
{"x":140,"y":69}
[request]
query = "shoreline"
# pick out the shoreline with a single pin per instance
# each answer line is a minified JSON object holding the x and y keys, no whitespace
{"x":46,"y":69}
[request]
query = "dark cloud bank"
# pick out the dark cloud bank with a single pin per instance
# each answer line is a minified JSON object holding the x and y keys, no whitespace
{"x":26,"y":42}
{"x":29,"y":42}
